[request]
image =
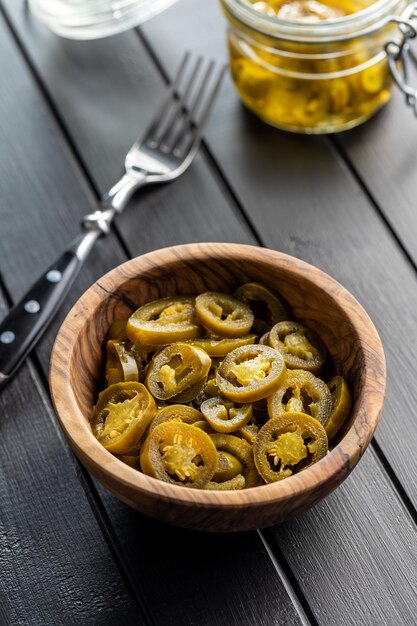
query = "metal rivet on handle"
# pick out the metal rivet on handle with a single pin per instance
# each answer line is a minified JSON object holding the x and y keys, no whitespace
{"x":54,"y":276}
{"x":7,"y":337}
{"x":32,"y":306}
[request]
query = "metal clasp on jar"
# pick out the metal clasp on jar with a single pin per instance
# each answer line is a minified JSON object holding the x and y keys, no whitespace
{"x":400,"y":55}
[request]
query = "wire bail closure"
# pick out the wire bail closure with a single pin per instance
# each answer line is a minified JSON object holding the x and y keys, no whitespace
{"x":400,"y":55}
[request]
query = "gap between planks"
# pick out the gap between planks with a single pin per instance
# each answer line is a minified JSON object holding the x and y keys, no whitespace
{"x":353,"y":171}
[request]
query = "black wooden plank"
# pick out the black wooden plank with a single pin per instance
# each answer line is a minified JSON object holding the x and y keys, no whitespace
{"x":382,"y":153}
{"x":55,"y":566}
{"x":207,"y":580}
{"x":128,"y":97}
{"x":43,"y":191}
{"x":265,"y":581}
{"x":371,"y":577}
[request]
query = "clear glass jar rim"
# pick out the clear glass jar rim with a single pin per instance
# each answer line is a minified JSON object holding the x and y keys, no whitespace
{"x":370,"y":19}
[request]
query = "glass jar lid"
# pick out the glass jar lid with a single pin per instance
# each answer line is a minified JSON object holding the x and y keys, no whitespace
{"x":369,"y":20}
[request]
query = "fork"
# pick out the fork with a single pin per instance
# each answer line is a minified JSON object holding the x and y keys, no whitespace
{"x":164,"y":153}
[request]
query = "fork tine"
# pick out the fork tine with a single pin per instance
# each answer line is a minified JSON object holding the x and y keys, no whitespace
{"x":166,"y":103}
{"x":198,"y":128}
{"x":192,"y":109}
{"x":180,"y":103}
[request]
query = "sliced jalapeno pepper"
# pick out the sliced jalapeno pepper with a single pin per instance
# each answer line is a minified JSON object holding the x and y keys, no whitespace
{"x":129,"y":459}
{"x":179,"y":454}
{"x":302,"y":392}
{"x":177,"y":371}
{"x":164,"y":321}
{"x":242,"y":451}
{"x":250,"y":373}
{"x":249,"y":431}
{"x":238,"y":482}
{"x":228,"y":467}
{"x":223,"y":315}
{"x":219,"y":347}
{"x":224,"y":416}
{"x":301,"y":347}
{"x":176,"y":413}
{"x":121,"y":416}
{"x":117,"y":331}
{"x":266,"y":306}
{"x":288,"y":444}
{"x":121,"y":365}
{"x":341,"y":403}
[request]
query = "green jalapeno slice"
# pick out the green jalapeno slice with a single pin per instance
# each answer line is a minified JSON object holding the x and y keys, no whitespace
{"x":288,"y":444}
{"x":266,"y":306}
{"x":301,"y":347}
{"x":176,"y":413}
{"x":238,"y":482}
{"x":121,"y":416}
{"x":117,"y":331}
{"x":164,"y":321}
{"x":178,"y":371}
{"x":121,"y":365}
{"x":302,"y":392}
{"x":341,"y":404}
{"x":250,"y":373}
{"x":242,"y":451}
{"x":224,"y":416}
{"x":179,"y":454}
{"x":223,"y":315}
{"x":219,"y":347}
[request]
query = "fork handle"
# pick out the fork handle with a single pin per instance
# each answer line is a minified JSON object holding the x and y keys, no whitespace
{"x":28,"y":319}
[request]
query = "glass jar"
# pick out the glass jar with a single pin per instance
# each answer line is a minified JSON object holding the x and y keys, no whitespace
{"x":318,"y":77}
{"x":91,"y":19}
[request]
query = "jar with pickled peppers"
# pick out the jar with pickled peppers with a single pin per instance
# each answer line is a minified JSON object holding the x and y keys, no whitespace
{"x":313,"y":66}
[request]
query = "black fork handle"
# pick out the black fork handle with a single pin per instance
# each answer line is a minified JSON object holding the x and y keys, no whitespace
{"x":29,"y":318}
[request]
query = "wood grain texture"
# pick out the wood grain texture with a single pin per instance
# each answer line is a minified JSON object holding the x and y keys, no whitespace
{"x":52,"y":570}
{"x":316,"y":300}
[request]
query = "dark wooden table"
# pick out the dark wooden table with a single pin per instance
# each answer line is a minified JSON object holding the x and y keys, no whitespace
{"x":70,"y":553}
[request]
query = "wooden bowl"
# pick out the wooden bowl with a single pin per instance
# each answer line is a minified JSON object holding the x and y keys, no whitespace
{"x":317,"y":301}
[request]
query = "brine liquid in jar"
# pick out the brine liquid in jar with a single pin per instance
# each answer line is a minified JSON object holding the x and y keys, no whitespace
{"x":303,"y":76}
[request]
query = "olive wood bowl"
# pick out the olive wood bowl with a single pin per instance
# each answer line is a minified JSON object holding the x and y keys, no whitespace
{"x":317,"y":301}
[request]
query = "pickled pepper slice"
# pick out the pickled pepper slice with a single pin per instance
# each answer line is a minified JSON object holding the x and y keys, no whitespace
{"x":302,"y":392}
{"x":219,"y":347}
{"x":179,"y":454}
{"x":266,"y":306}
{"x":121,"y":365}
{"x":288,"y":444}
{"x":341,"y":404}
{"x":242,"y":451}
{"x":177,"y":371}
{"x":164,"y":321}
{"x":250,"y":373}
{"x":225,"y":416}
{"x":238,"y":482}
{"x":223,"y":315}
{"x":176,"y":413}
{"x":301,"y":347}
{"x":121,"y":416}
{"x":228,"y":467}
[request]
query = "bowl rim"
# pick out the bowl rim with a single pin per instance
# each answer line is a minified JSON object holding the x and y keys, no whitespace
{"x":337,"y":463}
